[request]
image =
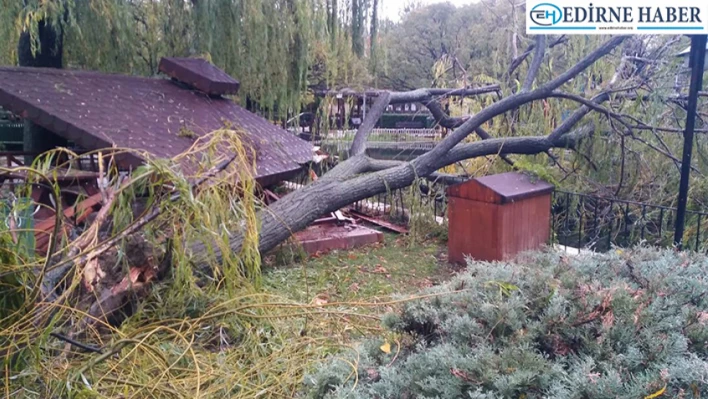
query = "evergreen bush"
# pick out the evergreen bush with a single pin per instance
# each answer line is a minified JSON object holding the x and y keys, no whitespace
{"x":622,"y":325}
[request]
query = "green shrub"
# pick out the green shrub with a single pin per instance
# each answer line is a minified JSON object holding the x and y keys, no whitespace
{"x":624,"y":325}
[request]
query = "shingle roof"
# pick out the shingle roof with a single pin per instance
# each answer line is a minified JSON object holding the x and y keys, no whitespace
{"x":97,"y":110}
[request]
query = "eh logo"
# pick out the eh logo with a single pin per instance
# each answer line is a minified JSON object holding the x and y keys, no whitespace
{"x":546,"y":14}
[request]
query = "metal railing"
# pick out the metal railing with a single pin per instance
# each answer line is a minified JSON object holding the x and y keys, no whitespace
{"x":376,"y":136}
{"x":596,"y":223}
{"x":398,"y":206}
{"x":379,"y":134}
{"x":577,"y":220}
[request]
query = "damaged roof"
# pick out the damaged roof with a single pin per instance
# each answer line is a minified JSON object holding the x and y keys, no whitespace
{"x":98,"y":110}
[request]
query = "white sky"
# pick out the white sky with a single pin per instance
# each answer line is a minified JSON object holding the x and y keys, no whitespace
{"x":392,"y":8}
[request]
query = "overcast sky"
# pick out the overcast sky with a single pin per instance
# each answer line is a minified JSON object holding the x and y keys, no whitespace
{"x":392,"y":8}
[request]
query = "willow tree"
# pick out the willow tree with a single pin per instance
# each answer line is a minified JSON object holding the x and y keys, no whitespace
{"x":374,"y":37}
{"x":268,"y":45}
{"x":358,"y":21}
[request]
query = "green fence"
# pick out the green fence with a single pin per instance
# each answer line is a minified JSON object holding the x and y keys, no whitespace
{"x":11,"y":132}
{"x":393,"y":121}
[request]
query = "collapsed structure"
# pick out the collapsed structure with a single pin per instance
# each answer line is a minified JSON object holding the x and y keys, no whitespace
{"x":153,"y":118}
{"x":160,"y":117}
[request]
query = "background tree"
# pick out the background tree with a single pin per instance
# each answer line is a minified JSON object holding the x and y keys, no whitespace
{"x":429,"y":34}
{"x":270,"y":51}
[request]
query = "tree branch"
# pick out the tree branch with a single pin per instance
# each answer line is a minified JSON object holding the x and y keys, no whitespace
{"x":516,"y":62}
{"x":527,"y":145}
{"x":449,"y":122}
{"x":373,"y":116}
{"x":422,"y":164}
{"x":536,"y":63}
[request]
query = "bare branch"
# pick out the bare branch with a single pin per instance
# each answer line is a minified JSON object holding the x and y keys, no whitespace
{"x":356,"y":163}
{"x":362,"y":134}
{"x":417,"y":95}
{"x":536,"y":63}
{"x":429,"y":94}
{"x":576,"y":116}
{"x":449,"y":122}
{"x":422,"y":163}
{"x":516,"y":62}
{"x":509,"y":145}
{"x":590,"y":59}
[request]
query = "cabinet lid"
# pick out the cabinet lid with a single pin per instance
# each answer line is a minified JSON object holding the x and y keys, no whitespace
{"x":501,"y":188}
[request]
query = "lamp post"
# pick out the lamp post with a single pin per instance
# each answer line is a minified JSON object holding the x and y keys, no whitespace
{"x":696,"y":62}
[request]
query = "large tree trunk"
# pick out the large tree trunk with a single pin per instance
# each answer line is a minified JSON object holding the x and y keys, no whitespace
{"x":50,"y":52}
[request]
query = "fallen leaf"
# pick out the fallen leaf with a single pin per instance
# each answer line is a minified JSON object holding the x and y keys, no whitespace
{"x":657,"y":393}
{"x":380,"y":269}
{"x":386,"y":347}
{"x":320,"y":300}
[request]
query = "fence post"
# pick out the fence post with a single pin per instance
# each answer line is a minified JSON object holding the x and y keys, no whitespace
{"x":697,"y":60}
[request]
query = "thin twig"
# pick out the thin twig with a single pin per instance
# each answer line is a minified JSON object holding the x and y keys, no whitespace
{"x":86,"y":347}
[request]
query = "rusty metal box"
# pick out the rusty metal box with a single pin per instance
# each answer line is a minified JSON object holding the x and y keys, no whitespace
{"x":496,"y":217}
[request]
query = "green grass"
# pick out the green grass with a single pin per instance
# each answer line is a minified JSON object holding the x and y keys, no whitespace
{"x":372,"y":273}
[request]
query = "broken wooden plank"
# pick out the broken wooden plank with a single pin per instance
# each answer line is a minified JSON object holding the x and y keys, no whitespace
{"x":78,"y":212}
{"x":379,"y":222}
{"x":340,"y":217}
{"x":270,"y":196}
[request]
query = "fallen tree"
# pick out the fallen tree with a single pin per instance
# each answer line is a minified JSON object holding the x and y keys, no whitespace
{"x":361,"y":177}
